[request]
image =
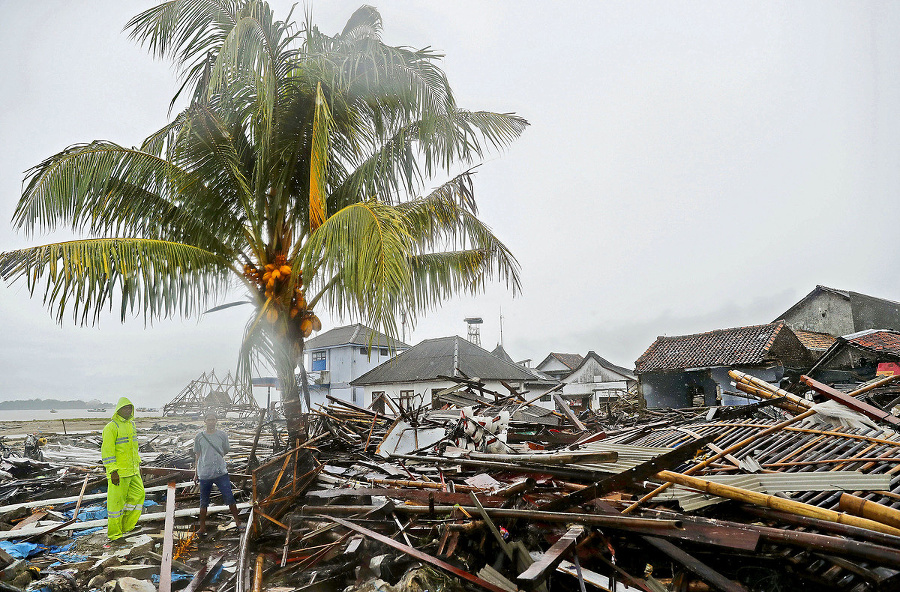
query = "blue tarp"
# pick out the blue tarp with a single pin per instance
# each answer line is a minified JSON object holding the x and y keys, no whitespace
{"x":98,"y":512}
{"x":79,"y":533}
{"x":22,"y":550}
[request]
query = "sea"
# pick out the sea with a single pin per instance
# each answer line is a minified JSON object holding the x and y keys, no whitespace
{"x":42,"y":414}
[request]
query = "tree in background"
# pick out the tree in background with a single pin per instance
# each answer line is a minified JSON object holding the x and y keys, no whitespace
{"x":298,"y":171}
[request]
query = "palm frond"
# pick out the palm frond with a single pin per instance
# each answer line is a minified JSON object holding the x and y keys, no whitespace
{"x":156,"y":278}
{"x":322,"y":124}
{"x":103,"y":188}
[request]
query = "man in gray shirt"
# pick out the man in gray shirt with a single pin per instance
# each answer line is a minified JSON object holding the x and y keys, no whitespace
{"x":210,"y":448}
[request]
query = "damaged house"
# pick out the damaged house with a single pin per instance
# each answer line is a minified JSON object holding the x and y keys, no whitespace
{"x":841,"y":312}
{"x":414,"y":376}
{"x":692,"y":370}
{"x":596,"y":381}
{"x":859,"y":357}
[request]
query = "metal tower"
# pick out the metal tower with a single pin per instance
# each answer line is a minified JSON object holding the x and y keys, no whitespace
{"x":474,"y":329}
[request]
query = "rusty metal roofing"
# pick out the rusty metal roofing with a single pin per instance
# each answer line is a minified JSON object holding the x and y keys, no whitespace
{"x":724,"y":347}
{"x":815,"y":341}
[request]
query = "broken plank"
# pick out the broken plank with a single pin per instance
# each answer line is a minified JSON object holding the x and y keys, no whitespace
{"x":165,"y":570}
{"x":850,"y":401}
{"x":694,"y":565}
{"x":567,"y":411}
{"x":201,"y":578}
{"x":593,"y":578}
{"x":537,"y":572}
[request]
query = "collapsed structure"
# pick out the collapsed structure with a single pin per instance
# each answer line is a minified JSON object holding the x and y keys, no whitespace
{"x":483,"y":489}
{"x":764,"y":458}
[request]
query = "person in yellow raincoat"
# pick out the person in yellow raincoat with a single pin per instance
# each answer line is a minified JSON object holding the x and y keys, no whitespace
{"x":125,"y":492}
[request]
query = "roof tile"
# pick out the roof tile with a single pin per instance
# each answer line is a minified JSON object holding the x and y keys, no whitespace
{"x":723,"y":347}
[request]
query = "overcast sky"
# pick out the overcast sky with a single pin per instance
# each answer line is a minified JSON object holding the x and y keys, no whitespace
{"x":689,"y":166}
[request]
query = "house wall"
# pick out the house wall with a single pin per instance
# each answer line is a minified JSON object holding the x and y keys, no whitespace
{"x":790,"y":352}
{"x":825,"y":312}
{"x":344,"y":364}
{"x":675,"y":389}
{"x":874,"y":313}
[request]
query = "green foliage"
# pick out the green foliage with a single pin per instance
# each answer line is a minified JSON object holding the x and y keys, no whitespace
{"x":296,"y":149}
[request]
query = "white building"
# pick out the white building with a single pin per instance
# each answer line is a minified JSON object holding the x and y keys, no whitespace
{"x":413,"y":377}
{"x":339,"y":356}
{"x":595,"y":382}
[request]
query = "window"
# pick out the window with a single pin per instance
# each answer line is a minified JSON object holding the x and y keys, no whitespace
{"x":364,"y":351}
{"x":384,"y":351}
{"x":378,"y":401}
{"x":318,"y":360}
{"x":546,"y":399}
{"x":407,"y":399}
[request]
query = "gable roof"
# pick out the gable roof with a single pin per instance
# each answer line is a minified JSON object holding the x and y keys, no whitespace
{"x":353,"y":335}
{"x":847,"y":295}
{"x":814,"y":341}
{"x":440,"y":357}
{"x":723,"y":347}
{"x":876,"y":340}
{"x":571,"y":361}
{"x":592,"y":355}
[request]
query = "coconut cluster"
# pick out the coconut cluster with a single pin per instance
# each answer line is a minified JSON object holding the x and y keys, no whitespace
{"x":274,"y":280}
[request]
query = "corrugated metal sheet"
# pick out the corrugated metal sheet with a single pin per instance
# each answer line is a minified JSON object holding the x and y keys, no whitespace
{"x":773,"y":483}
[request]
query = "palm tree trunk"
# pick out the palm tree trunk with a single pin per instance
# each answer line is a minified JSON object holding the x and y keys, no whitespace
{"x":286,"y":366}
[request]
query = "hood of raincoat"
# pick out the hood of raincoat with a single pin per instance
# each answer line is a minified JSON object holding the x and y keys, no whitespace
{"x":122,"y":403}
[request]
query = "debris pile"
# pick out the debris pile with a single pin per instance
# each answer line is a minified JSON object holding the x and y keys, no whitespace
{"x":486,"y":490}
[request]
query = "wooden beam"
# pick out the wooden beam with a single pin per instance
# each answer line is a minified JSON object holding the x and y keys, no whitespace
{"x":165,"y":570}
{"x":567,"y":411}
{"x":413,"y":552}
{"x":850,"y":401}
{"x":538,"y":570}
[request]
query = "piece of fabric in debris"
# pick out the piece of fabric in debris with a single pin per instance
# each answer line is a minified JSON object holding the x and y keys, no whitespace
{"x":175,"y":577}
{"x":22,"y":550}
{"x":79,"y":533}
{"x":98,"y":512}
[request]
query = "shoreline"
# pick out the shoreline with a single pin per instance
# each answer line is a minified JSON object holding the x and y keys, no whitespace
{"x":83,"y":425}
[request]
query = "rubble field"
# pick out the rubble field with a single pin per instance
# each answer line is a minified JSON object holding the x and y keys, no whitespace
{"x":483,"y":490}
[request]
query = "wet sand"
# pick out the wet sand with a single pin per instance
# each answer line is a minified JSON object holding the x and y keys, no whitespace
{"x":80,"y":426}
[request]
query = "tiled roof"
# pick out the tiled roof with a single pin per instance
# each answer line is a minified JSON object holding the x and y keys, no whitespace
{"x":724,"y":347}
{"x":570,"y":360}
{"x":877,"y":340}
{"x":440,"y":357}
{"x":353,"y":335}
{"x":815,"y":341}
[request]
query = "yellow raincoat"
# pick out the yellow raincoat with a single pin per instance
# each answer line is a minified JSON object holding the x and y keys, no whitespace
{"x":119,"y":451}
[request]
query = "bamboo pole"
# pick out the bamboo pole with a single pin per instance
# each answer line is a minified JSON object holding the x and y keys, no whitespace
{"x":776,"y":503}
{"x":869,"y":509}
{"x":776,"y":392}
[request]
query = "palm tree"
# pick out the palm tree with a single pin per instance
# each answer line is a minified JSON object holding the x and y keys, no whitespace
{"x":298,"y":171}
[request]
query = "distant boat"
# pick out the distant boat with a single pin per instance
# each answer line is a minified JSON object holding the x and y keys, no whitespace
{"x":147,"y":409}
{"x":96,"y":410}
{"x":53,"y":411}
